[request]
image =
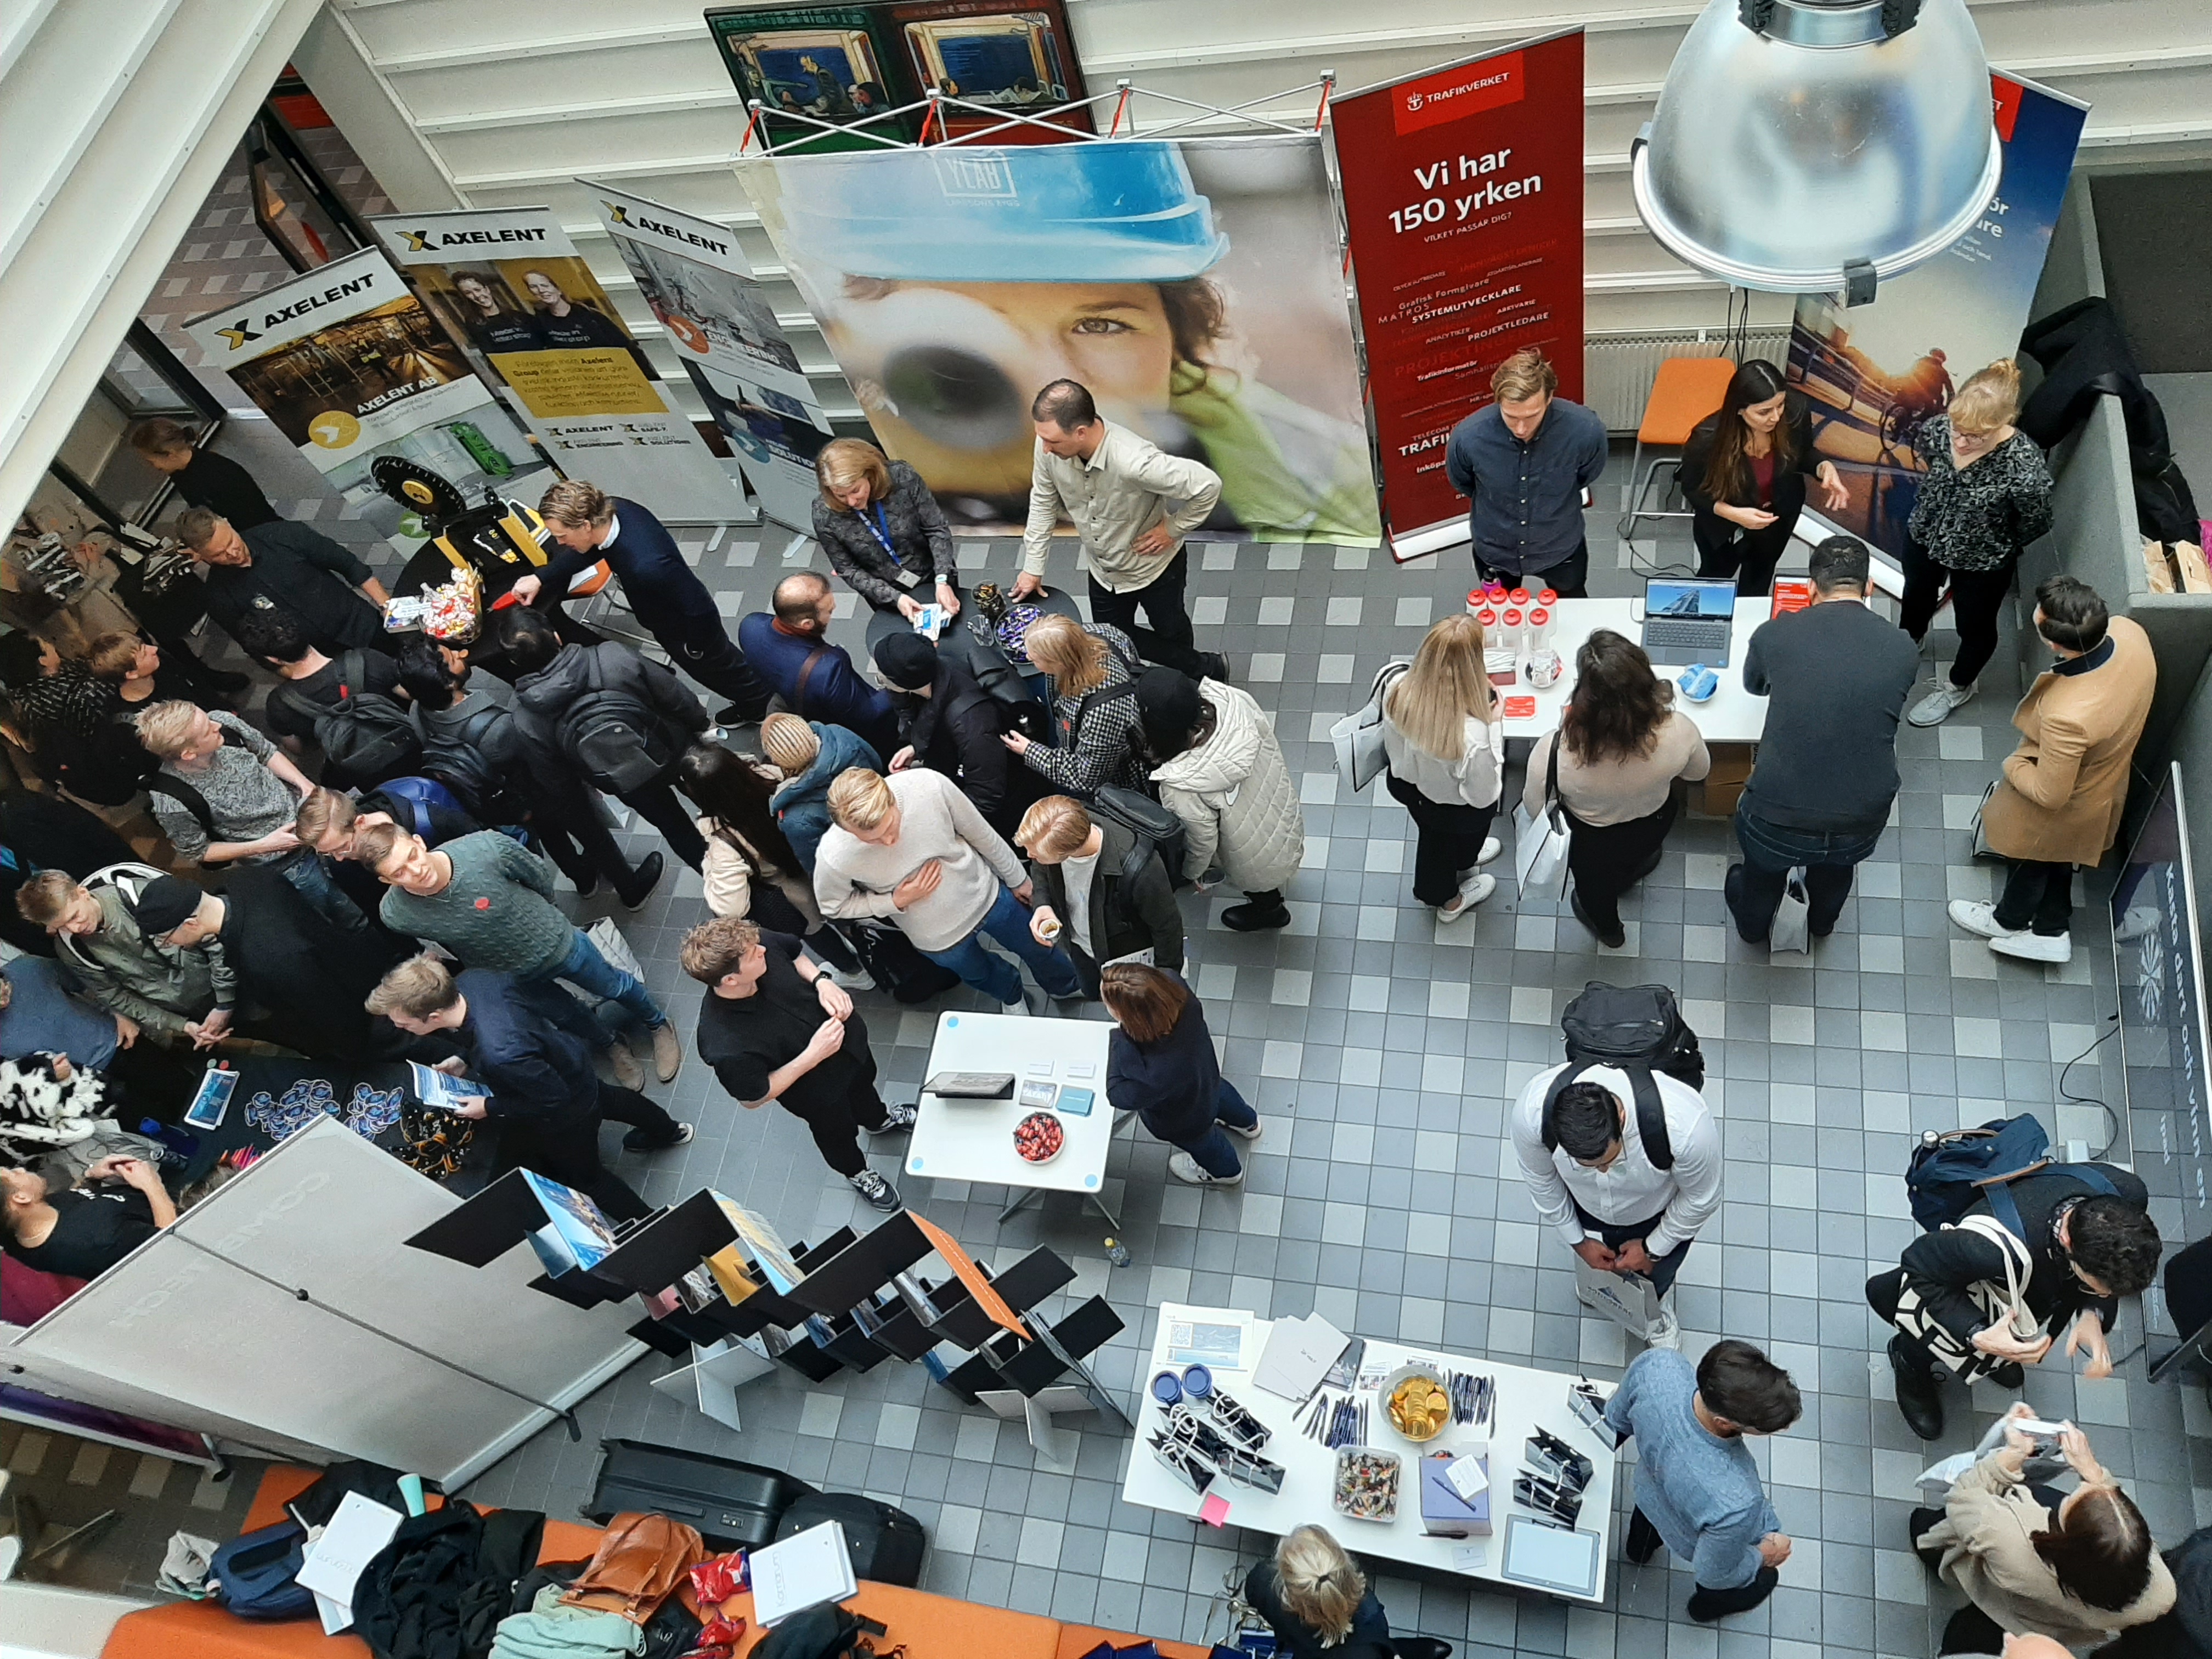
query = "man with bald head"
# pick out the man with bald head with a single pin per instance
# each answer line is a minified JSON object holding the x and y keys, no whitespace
{"x":790,"y":648}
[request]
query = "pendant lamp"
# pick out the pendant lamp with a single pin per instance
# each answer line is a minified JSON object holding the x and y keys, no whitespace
{"x":1814,"y":146}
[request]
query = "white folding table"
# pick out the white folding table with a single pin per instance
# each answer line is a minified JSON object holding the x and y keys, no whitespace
{"x":974,"y":1139}
{"x":1525,"y":1399}
{"x":1732,"y":714}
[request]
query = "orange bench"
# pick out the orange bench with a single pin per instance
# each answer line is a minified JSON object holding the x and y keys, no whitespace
{"x":930,"y":1626}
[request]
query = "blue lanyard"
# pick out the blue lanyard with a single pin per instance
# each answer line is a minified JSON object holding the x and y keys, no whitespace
{"x":881,"y":530}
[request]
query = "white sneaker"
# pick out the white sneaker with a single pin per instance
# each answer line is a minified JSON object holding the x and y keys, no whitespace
{"x":1259,"y":1127}
{"x":1471,"y":894}
{"x":1936,"y":707}
{"x":860,"y":981}
{"x":1491,"y":850}
{"x":1183,"y":1167}
{"x":2036,"y":947}
{"x":1978,"y":918}
{"x":1026,"y":1002}
{"x":1666,"y":1333}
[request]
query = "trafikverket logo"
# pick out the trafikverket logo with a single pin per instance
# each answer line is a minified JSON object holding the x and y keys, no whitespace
{"x":1413,"y":101}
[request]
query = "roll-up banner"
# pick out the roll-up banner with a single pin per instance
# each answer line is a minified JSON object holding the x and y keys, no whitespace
{"x":1463,"y":202}
{"x":701,"y":286}
{"x":1195,"y":286}
{"x":1875,"y":375}
{"x":512,"y":291}
{"x":348,"y":366}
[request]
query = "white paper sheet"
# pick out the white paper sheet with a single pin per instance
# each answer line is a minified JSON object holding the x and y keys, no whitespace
{"x":360,"y":1527}
{"x":803,"y":1570}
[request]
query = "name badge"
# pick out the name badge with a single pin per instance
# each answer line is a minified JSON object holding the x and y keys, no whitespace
{"x":908,"y":580}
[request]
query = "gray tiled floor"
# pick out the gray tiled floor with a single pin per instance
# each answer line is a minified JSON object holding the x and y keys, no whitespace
{"x":1382,"y":1049}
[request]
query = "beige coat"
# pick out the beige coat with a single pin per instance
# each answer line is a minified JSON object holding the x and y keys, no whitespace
{"x":2066,"y":786}
{"x":1235,"y":797}
{"x":1986,"y":1536}
{"x":733,"y":865}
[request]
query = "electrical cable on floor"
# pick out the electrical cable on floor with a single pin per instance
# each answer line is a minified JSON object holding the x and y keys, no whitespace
{"x":2112,"y":1117}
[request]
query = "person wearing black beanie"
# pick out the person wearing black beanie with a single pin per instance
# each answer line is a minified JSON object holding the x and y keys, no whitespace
{"x":1217,"y":767}
{"x":949,"y":724}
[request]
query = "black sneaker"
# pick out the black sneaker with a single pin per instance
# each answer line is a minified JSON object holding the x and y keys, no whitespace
{"x":898,"y":1119}
{"x":879,"y":1192}
{"x":649,"y":869}
{"x":1250,"y":918}
{"x":1217,"y":668}
{"x":637,"y":1140}
{"x":741,"y":715}
{"x":2010,"y":1376}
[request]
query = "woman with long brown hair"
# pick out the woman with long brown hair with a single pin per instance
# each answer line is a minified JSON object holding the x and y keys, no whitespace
{"x":1621,"y":745}
{"x":1160,"y":1064}
{"x":1443,"y":735}
{"x":751,"y":869}
{"x":1744,"y":472}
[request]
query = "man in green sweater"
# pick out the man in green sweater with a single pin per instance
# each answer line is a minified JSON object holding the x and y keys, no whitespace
{"x":489,"y":901}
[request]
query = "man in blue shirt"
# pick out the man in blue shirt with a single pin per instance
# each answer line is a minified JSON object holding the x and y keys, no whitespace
{"x":1697,"y":1492}
{"x":1524,"y":461}
{"x":664,"y":592}
{"x":816,"y":679}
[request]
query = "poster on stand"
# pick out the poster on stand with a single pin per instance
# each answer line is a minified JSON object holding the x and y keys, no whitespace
{"x":701,"y":286}
{"x":1875,"y":375}
{"x":348,"y":366}
{"x":1463,"y":203}
{"x":514,"y":295}
{"x":1196,"y":287}
{"x":846,"y":64}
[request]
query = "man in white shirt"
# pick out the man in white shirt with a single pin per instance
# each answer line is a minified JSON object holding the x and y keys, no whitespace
{"x":1627,"y":1183}
{"x":1116,"y":489}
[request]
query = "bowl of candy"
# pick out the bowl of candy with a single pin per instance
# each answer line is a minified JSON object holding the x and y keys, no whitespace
{"x":1366,"y":1483}
{"x":1039,"y":1137}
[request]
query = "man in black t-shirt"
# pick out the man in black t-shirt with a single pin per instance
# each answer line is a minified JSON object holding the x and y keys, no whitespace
{"x":81,"y":1233}
{"x":291,"y":568}
{"x":774,"y":1027}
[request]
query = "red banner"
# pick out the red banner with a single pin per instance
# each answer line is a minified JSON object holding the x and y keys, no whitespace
{"x":1463,"y":196}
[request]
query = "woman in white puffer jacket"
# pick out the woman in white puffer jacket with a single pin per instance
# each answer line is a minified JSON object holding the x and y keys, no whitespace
{"x":1217,"y":768}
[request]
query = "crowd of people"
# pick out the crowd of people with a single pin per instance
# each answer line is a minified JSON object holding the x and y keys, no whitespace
{"x":1015,"y":807}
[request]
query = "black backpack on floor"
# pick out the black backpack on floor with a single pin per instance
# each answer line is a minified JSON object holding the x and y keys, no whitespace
{"x":895,"y":964}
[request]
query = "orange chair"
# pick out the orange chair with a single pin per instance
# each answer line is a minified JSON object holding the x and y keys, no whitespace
{"x":1684,"y":392}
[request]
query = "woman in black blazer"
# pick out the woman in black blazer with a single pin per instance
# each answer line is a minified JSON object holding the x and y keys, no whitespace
{"x":883,"y":529}
{"x":1744,"y":472}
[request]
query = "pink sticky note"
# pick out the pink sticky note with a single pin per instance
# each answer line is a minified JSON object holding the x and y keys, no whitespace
{"x":1214,"y":1510}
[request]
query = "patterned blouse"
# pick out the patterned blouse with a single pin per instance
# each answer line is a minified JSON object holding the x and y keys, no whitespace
{"x":921,"y":543}
{"x":1979,"y":519}
{"x":1104,"y":751}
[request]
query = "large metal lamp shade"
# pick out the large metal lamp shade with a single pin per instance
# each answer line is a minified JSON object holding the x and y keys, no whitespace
{"x":1813,"y":146}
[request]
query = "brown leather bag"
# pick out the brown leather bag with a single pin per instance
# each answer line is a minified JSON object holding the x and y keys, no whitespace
{"x":639,"y":1565}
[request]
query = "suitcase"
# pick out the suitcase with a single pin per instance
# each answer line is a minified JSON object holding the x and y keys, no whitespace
{"x":732,"y":1506}
{"x":886,"y":1543}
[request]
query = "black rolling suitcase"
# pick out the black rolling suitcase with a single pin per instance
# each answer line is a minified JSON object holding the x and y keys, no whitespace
{"x":887,"y":1544}
{"x":732,"y":1506}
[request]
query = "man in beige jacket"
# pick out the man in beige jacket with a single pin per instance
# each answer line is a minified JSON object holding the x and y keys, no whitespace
{"x":2066,"y":785}
{"x":1117,"y":488}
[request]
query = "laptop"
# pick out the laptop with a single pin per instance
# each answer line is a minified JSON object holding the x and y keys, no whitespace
{"x":1688,"y":620}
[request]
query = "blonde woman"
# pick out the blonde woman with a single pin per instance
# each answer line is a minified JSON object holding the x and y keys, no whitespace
{"x":1093,"y":668}
{"x":883,"y":529}
{"x":1986,"y":495}
{"x":1314,"y":1597}
{"x":1443,"y":736}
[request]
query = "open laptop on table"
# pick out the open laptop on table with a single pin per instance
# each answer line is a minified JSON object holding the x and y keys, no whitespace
{"x":1688,"y":619}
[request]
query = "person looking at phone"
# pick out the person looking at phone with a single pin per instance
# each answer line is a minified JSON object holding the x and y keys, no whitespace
{"x":2076,"y":1566}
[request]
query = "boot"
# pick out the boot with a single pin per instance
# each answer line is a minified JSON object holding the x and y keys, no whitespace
{"x":1919,"y":1395}
{"x":1253,"y":917}
{"x":643,"y":882}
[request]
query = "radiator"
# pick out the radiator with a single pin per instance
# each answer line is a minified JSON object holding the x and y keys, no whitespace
{"x":1617,"y":369}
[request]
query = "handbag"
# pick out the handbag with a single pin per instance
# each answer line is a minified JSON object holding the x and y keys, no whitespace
{"x":1358,"y":736}
{"x":640,"y":1563}
{"x":614,"y":947}
{"x":2001,"y":1306}
{"x":1629,"y":1300}
{"x":1541,"y":843}
{"x":1791,"y":928}
{"x":1982,"y":849}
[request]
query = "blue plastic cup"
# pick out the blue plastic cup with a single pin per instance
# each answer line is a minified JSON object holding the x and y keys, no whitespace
{"x":1167,"y":1389}
{"x":1197,"y":1382}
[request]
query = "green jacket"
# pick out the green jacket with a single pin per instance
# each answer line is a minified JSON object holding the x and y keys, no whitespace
{"x":124,"y":972}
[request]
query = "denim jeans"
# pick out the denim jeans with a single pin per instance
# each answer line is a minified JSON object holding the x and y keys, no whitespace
{"x":1213,"y":1151}
{"x":1770,"y":851}
{"x":586,"y":969}
{"x":1008,"y":923}
{"x":312,"y":879}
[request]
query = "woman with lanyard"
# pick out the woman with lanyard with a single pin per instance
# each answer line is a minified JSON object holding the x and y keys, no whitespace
{"x":883,"y":529}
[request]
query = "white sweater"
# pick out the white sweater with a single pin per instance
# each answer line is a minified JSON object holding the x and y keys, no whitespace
{"x":1476,"y":779}
{"x":853,"y":878}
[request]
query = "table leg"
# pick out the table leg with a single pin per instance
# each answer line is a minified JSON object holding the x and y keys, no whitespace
{"x":1098,"y":1202}
{"x":1019,"y":1204}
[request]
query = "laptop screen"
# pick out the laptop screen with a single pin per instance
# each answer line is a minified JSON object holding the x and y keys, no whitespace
{"x":1710,"y":600}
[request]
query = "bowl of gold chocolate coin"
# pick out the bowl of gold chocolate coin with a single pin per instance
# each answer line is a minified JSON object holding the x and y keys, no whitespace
{"x":1416,"y":1402}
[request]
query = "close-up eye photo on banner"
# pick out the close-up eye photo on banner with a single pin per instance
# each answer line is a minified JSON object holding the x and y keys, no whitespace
{"x":1196,"y":287}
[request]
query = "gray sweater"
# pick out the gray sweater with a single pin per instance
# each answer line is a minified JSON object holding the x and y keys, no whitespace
{"x":1701,"y":1492}
{"x":1836,"y":676}
{"x":854,"y":878}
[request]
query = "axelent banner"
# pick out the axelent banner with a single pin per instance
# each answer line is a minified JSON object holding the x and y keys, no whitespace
{"x":699,"y":284}
{"x":1463,"y":202}
{"x":512,"y":292}
{"x":348,"y":366}
{"x":1877,"y":374}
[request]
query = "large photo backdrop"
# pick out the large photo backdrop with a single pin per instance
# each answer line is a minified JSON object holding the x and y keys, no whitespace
{"x":1463,"y":203}
{"x":1875,"y":373}
{"x":1196,"y":287}
{"x":348,"y":366}
{"x":515,"y":295}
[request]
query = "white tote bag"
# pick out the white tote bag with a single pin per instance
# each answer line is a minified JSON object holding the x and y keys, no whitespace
{"x":1791,"y":929}
{"x":1358,"y":736}
{"x":1629,"y":1300}
{"x":1541,"y":843}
